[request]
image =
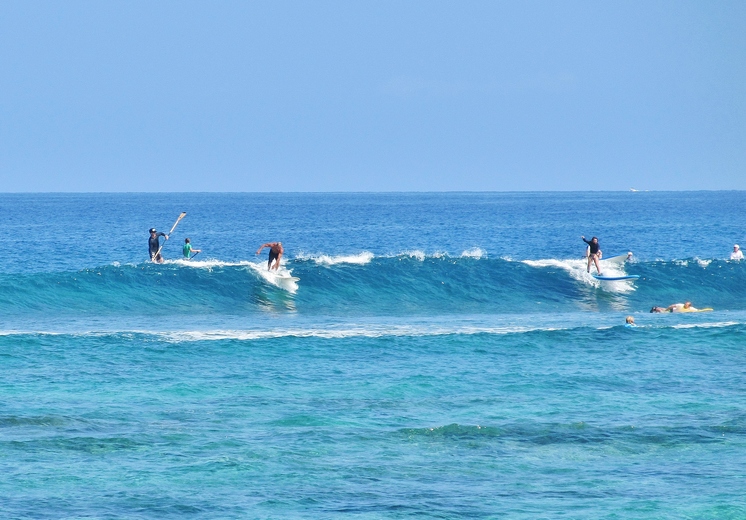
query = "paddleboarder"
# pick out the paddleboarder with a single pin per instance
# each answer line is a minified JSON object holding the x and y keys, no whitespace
{"x":154,"y":245}
{"x":188,"y":249}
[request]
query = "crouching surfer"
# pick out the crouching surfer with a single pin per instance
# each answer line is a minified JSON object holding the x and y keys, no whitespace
{"x":275,"y":254}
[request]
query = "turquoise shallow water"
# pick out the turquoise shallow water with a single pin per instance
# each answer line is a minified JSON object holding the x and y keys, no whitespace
{"x":463,"y":377}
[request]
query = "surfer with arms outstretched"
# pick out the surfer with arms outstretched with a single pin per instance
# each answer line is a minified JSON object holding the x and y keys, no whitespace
{"x":275,"y":254}
{"x":594,"y":253}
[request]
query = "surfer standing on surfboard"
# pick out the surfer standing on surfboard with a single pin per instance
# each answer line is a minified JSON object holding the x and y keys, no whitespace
{"x":275,"y":254}
{"x":594,"y":253}
{"x":154,"y":245}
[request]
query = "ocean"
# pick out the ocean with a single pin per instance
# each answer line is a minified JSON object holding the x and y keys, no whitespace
{"x":443,"y":355}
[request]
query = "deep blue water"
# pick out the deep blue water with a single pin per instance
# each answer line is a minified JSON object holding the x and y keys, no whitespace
{"x":442,"y":356}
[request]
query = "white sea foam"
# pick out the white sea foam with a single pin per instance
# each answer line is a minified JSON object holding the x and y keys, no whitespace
{"x":577,"y":269}
{"x":714,"y":325}
{"x":207,"y":263}
{"x":342,"y":333}
{"x":416,"y":254}
{"x":359,"y":259}
{"x":474,"y":252}
{"x":281,"y":278}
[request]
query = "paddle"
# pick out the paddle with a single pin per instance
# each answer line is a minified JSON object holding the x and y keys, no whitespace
{"x":183,"y":214}
{"x":195,"y":254}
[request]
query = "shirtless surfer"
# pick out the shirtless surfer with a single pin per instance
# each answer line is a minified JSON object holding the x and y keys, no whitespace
{"x":682,"y":307}
{"x":676,"y":307}
{"x":275,"y":254}
{"x":593,"y":253}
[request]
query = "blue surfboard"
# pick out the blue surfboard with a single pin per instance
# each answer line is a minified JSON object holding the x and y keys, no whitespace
{"x":615,"y":278}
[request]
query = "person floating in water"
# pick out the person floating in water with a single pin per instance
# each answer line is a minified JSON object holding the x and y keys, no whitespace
{"x":630,"y":322}
{"x":682,"y":307}
{"x":188,"y":249}
{"x":275,"y":254}
{"x":737,"y":254}
{"x":593,"y":253}
{"x":677,"y":307}
{"x":154,"y":245}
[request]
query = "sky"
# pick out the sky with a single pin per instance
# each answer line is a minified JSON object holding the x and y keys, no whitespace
{"x":319,"y":96}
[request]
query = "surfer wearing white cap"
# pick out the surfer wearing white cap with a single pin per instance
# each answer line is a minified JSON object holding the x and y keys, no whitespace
{"x":737,"y":254}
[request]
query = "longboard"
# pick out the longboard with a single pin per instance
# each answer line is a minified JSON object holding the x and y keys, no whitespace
{"x":282,"y":279}
{"x":617,"y":259}
{"x":615,"y":278}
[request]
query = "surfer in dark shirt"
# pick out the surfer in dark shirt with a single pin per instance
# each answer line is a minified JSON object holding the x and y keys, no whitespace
{"x":594,"y":252}
{"x":275,"y":254}
{"x":154,"y":244}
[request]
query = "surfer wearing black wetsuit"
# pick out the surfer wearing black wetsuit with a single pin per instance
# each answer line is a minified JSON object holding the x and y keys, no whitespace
{"x":275,"y":254}
{"x":154,"y":244}
{"x":593,"y":253}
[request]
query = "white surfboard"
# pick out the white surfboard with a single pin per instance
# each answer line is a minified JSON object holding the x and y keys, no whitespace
{"x":617,"y":260}
{"x":281,"y":278}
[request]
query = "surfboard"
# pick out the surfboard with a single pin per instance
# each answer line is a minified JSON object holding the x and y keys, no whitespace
{"x":707,"y":309}
{"x":615,"y":278}
{"x":617,"y":259}
{"x":282,"y":278}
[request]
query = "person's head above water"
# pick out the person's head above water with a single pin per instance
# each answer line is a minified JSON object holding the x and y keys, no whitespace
{"x":630,"y":320}
{"x":152,"y":231}
{"x":186,"y":240}
{"x":736,"y":247}
{"x":687,"y":305}
{"x":594,"y":239}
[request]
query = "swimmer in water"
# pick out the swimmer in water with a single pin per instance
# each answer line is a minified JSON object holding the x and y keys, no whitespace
{"x":630,"y":322}
{"x":682,"y":307}
{"x":737,"y":254}
{"x":594,"y":253}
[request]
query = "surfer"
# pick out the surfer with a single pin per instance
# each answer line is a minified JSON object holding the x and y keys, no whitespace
{"x":737,"y":254}
{"x":154,"y":245}
{"x":275,"y":254}
{"x":593,"y":253}
{"x":681,"y":307}
{"x":188,"y":249}
{"x":630,"y":322}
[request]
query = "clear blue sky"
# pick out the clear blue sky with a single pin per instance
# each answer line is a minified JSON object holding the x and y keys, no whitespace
{"x":372,"y":96}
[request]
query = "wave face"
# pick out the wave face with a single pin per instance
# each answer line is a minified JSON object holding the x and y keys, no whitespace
{"x":407,"y":284}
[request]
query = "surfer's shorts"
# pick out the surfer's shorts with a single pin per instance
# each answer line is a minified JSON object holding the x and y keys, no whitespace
{"x":272,"y":256}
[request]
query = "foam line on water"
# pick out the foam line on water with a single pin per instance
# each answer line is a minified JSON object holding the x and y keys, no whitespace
{"x":578,"y":270}
{"x":344,"y":332}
